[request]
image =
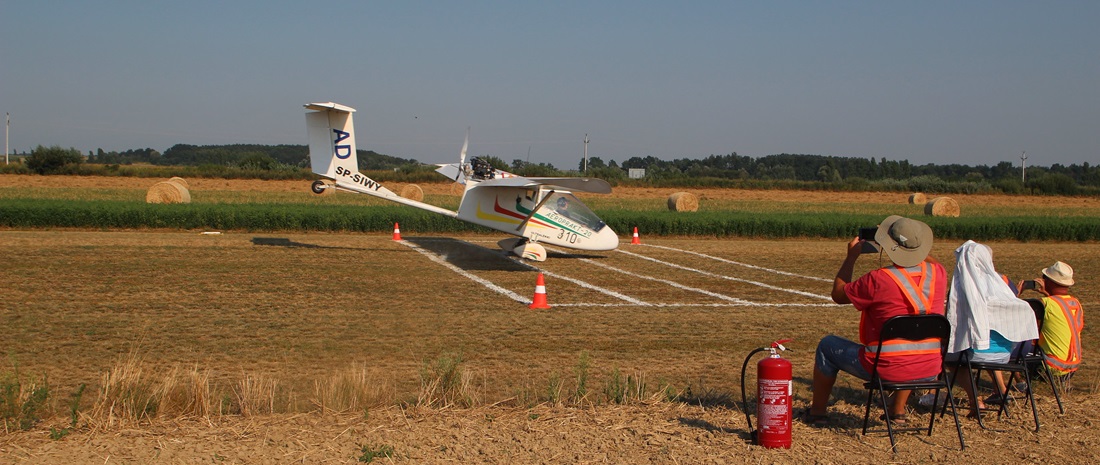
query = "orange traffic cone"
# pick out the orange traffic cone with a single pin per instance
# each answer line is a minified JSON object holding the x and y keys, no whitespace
{"x":540,"y":294}
{"x":396,"y":232}
{"x":635,"y":240}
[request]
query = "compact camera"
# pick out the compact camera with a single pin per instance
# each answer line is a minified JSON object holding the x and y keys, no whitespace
{"x":867,"y":235}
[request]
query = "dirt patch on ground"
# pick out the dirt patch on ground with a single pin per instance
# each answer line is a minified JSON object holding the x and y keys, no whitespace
{"x":656,"y":433}
{"x":300,"y":307}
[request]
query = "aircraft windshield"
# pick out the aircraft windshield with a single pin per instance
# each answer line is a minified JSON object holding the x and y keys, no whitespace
{"x":570,"y":207}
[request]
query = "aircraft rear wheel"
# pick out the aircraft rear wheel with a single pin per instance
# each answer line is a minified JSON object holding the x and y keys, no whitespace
{"x":318,"y":187}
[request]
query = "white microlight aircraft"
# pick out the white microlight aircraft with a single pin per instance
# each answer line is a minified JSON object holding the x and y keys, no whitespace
{"x":537,"y":210}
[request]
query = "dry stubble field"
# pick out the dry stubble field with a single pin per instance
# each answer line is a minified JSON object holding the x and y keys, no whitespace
{"x":301,"y":310}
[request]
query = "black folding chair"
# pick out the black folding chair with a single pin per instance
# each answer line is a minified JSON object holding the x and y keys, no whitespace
{"x":1025,"y":361}
{"x":911,"y":328}
{"x":1016,"y":364}
{"x":1036,"y":360}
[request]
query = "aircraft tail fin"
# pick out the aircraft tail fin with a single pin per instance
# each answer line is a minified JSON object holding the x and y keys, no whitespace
{"x":331,"y":139}
{"x":332,"y":148}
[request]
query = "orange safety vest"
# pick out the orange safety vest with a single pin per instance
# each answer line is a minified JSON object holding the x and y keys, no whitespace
{"x":920,"y":302}
{"x":1071,"y":308}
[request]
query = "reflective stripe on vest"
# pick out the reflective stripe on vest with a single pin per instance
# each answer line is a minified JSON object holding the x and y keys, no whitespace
{"x":896,"y":347}
{"x":1071,"y":308}
{"x":919,"y":301}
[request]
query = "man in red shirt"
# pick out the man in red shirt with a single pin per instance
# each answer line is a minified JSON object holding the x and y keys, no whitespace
{"x":913,"y":283}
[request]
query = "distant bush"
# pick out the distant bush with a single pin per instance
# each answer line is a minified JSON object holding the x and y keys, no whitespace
{"x":258,"y":161}
{"x":1054,"y":184}
{"x":1011,"y":186}
{"x":15,"y":168}
{"x":53,"y":160}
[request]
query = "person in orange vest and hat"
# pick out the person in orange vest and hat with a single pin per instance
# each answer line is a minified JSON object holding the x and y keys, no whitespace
{"x":1064,"y":318}
{"x":913,"y":283}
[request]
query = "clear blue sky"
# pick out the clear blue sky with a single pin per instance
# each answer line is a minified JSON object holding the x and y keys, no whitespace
{"x":973,"y":82}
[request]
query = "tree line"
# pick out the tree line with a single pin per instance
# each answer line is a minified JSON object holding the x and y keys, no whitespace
{"x":263,"y":156}
{"x":732,"y":170}
{"x":1004,"y":176}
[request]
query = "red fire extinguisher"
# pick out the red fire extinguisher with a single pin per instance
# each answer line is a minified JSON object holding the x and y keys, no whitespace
{"x":774,"y":389}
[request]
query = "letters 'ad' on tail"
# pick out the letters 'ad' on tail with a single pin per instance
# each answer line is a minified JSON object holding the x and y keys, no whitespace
{"x":332,"y":148}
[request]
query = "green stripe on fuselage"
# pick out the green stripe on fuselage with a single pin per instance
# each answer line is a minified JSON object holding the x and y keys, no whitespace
{"x":527,"y":211}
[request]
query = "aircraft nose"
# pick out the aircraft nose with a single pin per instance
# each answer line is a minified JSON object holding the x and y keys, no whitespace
{"x":608,"y":239}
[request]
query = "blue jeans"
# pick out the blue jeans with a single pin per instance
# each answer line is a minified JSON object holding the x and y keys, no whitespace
{"x":835,"y":354}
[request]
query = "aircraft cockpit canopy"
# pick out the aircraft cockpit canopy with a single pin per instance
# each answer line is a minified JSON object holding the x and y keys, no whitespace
{"x":567,"y":205}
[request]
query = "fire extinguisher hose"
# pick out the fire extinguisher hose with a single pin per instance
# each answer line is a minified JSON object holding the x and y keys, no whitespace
{"x":744,"y":400}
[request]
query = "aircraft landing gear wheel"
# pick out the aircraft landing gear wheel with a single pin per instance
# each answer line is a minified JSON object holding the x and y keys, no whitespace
{"x":531,"y":251}
{"x":318,"y":187}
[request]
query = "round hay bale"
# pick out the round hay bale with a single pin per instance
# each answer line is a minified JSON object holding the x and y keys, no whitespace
{"x":180,"y":181}
{"x":683,"y":202}
{"x":918,"y":199}
{"x":167,"y":192}
{"x":942,"y":206}
{"x":412,"y":192}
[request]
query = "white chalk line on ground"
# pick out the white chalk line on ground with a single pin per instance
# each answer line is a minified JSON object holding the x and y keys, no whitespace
{"x":746,"y":265}
{"x":668,"y":282}
{"x":513,"y":295}
{"x":631,"y":301}
{"x":594,"y":287}
{"x":730,"y":278}
{"x":493,"y":287}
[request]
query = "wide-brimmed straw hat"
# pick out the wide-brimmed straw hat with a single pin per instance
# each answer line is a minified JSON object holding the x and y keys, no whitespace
{"x":906,"y":241}
{"x":1060,"y":273}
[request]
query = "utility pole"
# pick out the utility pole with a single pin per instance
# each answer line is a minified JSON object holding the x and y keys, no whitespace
{"x":7,"y":125}
{"x":586,"y":153}
{"x":1023,"y":172}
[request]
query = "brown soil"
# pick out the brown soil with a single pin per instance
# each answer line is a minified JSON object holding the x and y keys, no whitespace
{"x":657,"y":433}
{"x":73,"y":302}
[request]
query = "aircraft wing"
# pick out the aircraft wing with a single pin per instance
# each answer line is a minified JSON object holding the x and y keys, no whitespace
{"x":593,"y":185}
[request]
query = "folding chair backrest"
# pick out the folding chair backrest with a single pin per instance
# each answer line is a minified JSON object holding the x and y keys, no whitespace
{"x":917,"y":328}
{"x":914,"y":328}
{"x":1040,"y":310}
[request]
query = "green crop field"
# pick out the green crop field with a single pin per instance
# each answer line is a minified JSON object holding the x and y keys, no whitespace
{"x":121,"y":320}
{"x":1029,"y":219}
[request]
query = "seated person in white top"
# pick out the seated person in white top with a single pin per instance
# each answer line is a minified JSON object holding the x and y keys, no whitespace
{"x":987,"y":318}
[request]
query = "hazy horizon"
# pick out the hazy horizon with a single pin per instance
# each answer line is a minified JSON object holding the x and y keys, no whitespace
{"x":972,"y":83}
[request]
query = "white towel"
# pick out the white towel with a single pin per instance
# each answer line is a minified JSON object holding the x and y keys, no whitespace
{"x":980,"y":301}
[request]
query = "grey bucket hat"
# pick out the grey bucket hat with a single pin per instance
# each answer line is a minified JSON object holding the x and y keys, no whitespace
{"x":906,"y":241}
